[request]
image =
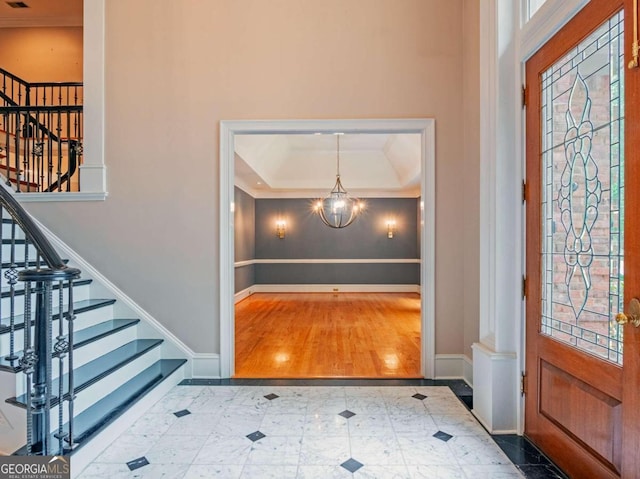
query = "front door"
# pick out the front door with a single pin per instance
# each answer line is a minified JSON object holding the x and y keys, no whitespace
{"x":583,"y":245}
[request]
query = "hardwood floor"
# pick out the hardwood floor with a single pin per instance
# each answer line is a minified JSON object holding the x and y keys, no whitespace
{"x":312,"y":335}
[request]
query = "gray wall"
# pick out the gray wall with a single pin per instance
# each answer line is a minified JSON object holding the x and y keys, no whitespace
{"x":307,"y":238}
{"x":244,"y":242}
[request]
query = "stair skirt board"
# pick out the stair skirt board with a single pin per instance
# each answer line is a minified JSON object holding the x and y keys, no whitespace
{"x":173,"y":346}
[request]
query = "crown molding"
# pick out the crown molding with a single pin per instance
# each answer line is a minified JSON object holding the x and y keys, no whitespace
{"x":45,"y":21}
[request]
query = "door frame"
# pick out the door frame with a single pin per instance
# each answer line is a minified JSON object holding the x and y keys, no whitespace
{"x":228,"y":130}
{"x":579,"y":363}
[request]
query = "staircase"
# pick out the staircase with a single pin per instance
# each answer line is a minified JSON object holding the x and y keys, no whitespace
{"x":105,"y":364}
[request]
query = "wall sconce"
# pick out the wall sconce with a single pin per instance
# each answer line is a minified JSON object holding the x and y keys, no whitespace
{"x":280,"y":228}
{"x":391,"y":228}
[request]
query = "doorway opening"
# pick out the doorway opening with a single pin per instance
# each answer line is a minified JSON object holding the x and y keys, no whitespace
{"x":233,"y":132}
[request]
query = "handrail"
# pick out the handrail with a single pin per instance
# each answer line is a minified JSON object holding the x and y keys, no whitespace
{"x":8,"y":99}
{"x":14,"y":77}
{"x":55,"y":83}
{"x":33,"y":233}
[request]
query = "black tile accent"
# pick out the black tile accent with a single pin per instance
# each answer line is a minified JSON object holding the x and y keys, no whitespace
{"x":346,"y":414}
{"x":255,"y":436}
{"x":328,"y":382}
{"x":352,"y":465}
{"x":467,"y":401}
{"x":519,"y":450}
{"x":527,"y":457}
{"x":137,"y":463}
{"x":420,"y":397}
{"x":184,"y":412}
{"x":538,"y":471}
{"x":271,"y":396}
{"x":443,"y":436}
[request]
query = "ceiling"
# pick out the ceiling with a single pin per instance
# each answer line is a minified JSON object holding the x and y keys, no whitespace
{"x":42,"y":13}
{"x":304,"y":165}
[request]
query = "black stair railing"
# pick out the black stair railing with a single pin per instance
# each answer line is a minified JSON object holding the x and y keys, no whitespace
{"x":47,"y":347}
{"x":40,"y":134}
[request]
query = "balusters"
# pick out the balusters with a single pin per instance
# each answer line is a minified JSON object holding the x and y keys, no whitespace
{"x":71,"y":389}
{"x":11,"y":275}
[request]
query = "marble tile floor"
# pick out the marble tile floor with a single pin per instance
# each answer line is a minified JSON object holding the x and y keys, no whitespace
{"x":367,"y":429}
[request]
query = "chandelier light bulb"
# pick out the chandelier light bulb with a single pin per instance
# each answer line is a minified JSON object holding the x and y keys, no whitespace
{"x":338,"y":209}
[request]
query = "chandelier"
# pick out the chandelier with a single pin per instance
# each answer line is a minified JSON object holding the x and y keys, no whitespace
{"x":338,"y":209}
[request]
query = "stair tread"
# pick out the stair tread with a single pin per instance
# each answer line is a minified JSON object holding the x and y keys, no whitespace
{"x":78,"y":307}
{"x":95,"y":418}
{"x":91,"y":372}
{"x":81,"y":338}
{"x":6,"y":290}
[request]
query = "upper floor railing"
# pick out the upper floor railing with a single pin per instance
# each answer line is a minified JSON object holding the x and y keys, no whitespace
{"x":40,"y":134}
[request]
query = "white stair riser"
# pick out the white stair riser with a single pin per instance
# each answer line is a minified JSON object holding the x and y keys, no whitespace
{"x":102,"y":388}
{"x":83,"y":320}
{"x":85,"y":354}
{"x":79,"y":293}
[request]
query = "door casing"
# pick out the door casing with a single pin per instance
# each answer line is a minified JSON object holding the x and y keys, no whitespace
{"x":424,"y":127}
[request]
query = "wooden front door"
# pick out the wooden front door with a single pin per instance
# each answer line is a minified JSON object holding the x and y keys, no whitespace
{"x":583,"y":245}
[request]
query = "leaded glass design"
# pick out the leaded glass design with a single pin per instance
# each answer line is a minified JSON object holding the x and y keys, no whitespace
{"x":583,"y":193}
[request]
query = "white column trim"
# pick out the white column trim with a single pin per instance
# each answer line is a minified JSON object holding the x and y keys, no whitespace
{"x":501,"y":247}
{"x":93,"y":170}
{"x":424,"y":127}
{"x":488,"y":127}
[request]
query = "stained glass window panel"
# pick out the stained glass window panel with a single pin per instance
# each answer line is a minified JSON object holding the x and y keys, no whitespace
{"x":583,"y":194}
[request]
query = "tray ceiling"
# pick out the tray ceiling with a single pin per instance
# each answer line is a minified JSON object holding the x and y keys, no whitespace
{"x":303,"y":165}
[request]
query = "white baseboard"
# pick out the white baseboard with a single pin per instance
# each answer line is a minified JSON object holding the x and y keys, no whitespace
{"x":171,"y":340}
{"x":334,"y":288}
{"x":206,"y":365}
{"x":488,"y":427}
{"x":454,"y":366}
{"x":467,"y":370}
{"x":496,"y":392}
{"x":240,"y":295}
